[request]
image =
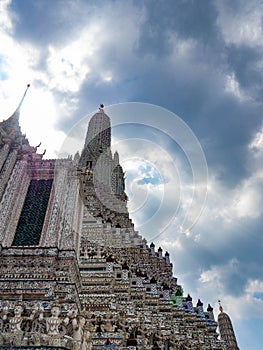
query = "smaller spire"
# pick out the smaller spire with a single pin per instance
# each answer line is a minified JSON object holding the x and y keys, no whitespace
{"x":199,"y":303}
{"x":116,"y":158}
{"x":209,"y":308}
{"x":189,"y":298}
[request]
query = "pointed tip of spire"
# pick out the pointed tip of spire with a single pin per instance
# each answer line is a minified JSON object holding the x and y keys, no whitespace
{"x":220,"y":306}
{"x":189,"y":298}
{"x":16,"y":113}
{"x":116,"y":158}
{"x":199,"y":303}
{"x":22,"y":100}
{"x":101,"y":109}
{"x":209,"y":308}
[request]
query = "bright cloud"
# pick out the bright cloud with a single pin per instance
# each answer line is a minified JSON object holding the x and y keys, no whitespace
{"x":243,"y":26}
{"x":232,"y":86}
{"x":5,"y":19}
{"x":256,"y":145}
{"x":69,"y":66}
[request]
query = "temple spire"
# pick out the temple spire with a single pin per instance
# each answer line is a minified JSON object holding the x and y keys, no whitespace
{"x":226,"y":329}
{"x":16,"y":113}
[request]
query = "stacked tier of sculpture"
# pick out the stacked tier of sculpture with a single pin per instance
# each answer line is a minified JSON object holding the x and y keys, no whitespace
{"x":74,"y":273}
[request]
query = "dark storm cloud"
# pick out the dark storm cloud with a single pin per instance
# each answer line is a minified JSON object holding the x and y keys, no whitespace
{"x":49,"y":22}
{"x":228,"y":127}
{"x":197,"y":93}
{"x":215,"y":116}
{"x":185,"y":19}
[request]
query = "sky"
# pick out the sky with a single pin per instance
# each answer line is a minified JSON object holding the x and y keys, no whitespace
{"x":182,"y":83}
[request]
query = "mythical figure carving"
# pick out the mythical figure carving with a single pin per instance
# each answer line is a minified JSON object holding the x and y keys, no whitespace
{"x":81,"y":334}
{"x":16,"y":321}
{"x":53,"y":325}
{"x":54,"y":321}
{"x":14,"y":336}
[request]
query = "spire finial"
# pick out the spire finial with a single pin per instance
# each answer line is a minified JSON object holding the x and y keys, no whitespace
{"x":101,"y":107}
{"x":22,"y":100}
{"x":17,"y":111}
{"x":220,"y":306}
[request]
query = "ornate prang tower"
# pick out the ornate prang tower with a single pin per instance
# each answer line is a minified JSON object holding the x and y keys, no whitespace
{"x":98,"y":139}
{"x":226,"y":330}
{"x":74,"y":274}
{"x":102,"y":187}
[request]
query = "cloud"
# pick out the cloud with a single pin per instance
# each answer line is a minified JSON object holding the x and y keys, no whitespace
{"x":43,"y":24}
{"x":256,"y":149}
{"x":240,"y":22}
{"x":215,"y":282}
{"x":5,"y":20}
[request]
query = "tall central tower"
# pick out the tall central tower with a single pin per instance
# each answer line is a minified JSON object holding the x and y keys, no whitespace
{"x":98,"y":140}
{"x":103,"y":189}
{"x":99,"y":131}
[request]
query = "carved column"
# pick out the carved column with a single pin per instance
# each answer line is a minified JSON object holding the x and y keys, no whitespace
{"x":7,"y":170}
{"x":23,"y":184}
{"x":69,"y":228}
{"x":3,"y":154}
{"x":12,"y":202}
{"x":50,"y":237}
